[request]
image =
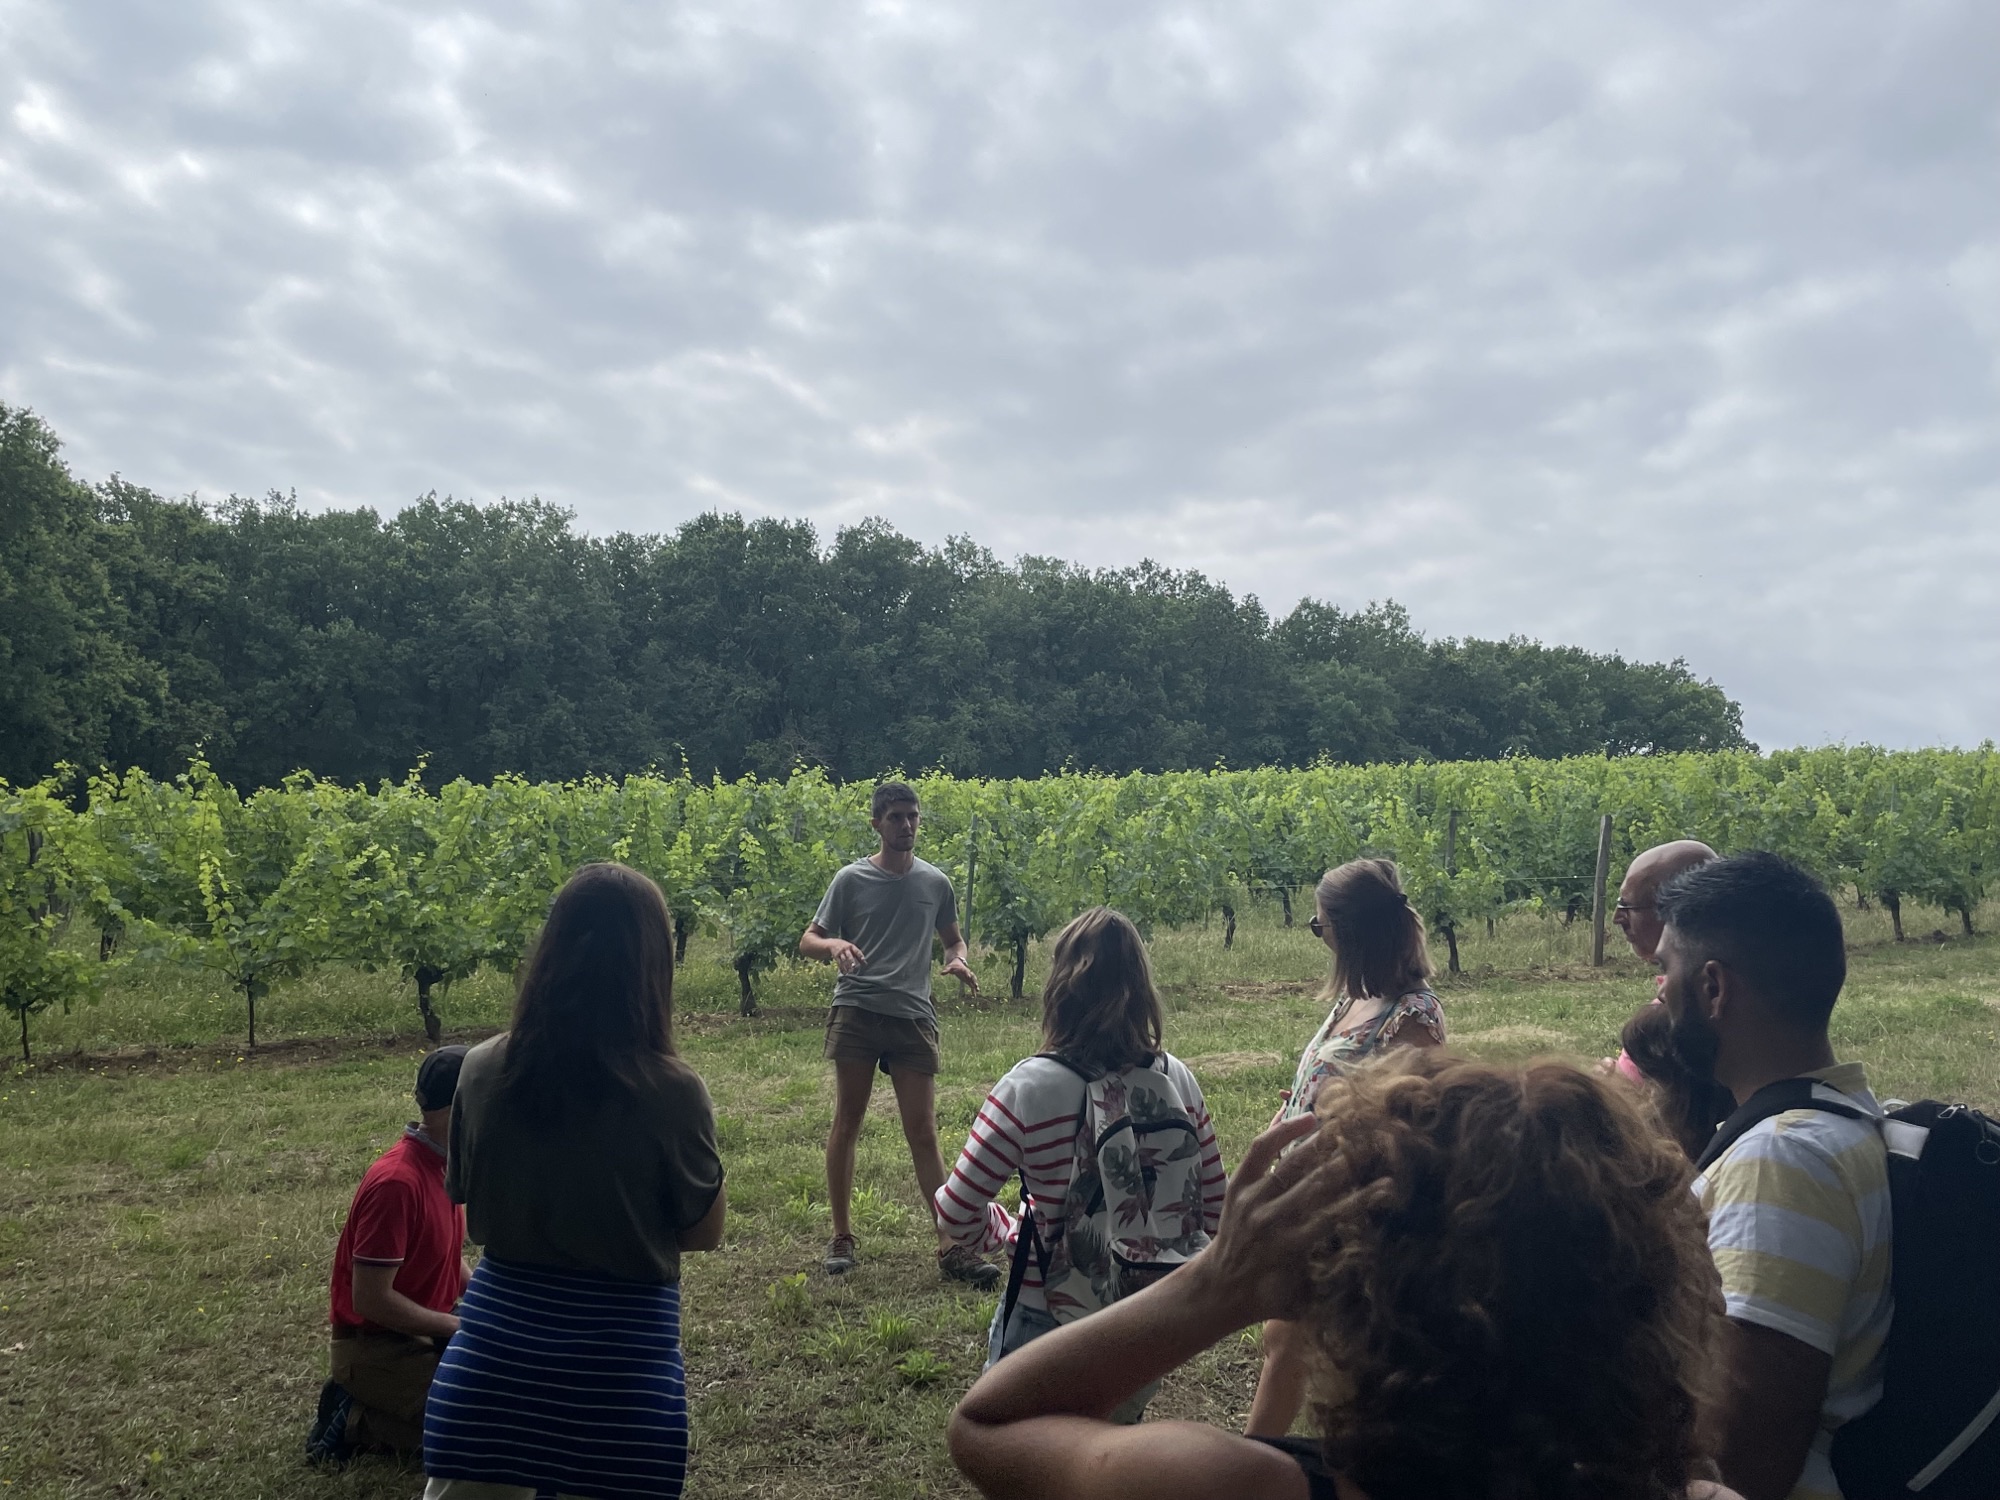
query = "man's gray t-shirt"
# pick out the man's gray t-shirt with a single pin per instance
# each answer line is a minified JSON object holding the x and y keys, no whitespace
{"x":891,"y":919}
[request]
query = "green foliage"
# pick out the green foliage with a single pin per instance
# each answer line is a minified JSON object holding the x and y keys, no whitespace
{"x":38,"y":852}
{"x":138,"y":631}
{"x":394,"y":880}
{"x":207,"y":874}
{"x":891,"y":1332}
{"x":840,"y":1344}
{"x":434,"y":886}
{"x":788,"y":1300}
{"x":921,"y":1367}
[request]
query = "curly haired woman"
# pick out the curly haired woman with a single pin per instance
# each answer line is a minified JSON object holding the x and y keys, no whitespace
{"x":1504,"y":1280}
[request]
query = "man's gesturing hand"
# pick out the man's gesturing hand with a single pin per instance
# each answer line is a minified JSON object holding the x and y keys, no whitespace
{"x":1259,"y":1263}
{"x":960,"y":970}
{"x":846,"y":957}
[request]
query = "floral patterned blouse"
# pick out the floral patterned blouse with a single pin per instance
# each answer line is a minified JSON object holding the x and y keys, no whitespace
{"x":1350,"y":1036}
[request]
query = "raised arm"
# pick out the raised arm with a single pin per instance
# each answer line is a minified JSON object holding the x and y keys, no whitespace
{"x":1035,"y":1423}
{"x":819,"y":944}
{"x":956,"y":963}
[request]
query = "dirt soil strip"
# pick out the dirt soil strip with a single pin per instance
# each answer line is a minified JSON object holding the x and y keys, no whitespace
{"x":294,"y":1052}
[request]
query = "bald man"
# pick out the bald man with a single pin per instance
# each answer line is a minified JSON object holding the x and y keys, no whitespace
{"x":1638,"y":912}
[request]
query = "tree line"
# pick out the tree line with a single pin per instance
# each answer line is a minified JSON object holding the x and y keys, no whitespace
{"x":138,"y":631}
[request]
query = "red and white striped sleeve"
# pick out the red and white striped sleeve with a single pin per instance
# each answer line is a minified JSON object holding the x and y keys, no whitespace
{"x":993,"y":1150}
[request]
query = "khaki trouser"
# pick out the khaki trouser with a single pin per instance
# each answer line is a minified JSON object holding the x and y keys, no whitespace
{"x":389,"y":1376}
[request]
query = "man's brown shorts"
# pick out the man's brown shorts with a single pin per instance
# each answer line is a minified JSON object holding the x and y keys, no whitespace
{"x":898,"y":1042}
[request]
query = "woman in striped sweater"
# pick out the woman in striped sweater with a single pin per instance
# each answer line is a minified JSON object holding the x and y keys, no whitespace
{"x":583,"y":1149}
{"x":1100,"y":1015}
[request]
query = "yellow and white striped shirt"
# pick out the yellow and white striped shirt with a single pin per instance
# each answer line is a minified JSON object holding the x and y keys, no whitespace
{"x":1798,"y":1222}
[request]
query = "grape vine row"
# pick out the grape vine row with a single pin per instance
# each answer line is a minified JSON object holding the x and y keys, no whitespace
{"x":435,"y":884}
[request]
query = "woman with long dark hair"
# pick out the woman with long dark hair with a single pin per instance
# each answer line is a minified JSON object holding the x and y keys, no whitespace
{"x":584,"y":1151}
{"x":1380,"y":989}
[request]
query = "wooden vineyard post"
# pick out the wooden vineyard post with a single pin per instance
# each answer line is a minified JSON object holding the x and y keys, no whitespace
{"x":971,"y":870}
{"x":1450,"y":869}
{"x":1597,"y":891}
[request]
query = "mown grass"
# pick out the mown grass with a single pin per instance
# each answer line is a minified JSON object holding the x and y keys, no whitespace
{"x":166,"y":1220}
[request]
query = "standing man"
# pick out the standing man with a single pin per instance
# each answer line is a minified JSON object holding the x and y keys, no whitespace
{"x":875,"y":927}
{"x":1798,"y":1203}
{"x":398,"y":1272}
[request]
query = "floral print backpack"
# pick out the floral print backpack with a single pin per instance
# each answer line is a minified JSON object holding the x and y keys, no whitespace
{"x":1133,"y":1212}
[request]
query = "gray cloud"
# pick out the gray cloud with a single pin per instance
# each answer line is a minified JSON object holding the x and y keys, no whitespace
{"x":1669,"y":330}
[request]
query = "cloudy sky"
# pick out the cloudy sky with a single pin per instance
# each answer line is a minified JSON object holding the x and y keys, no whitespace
{"x":1665,"y":328}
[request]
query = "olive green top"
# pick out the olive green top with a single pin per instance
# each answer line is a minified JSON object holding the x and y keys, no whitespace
{"x":608,"y":1191}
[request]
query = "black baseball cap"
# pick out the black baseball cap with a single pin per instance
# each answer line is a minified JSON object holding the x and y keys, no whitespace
{"x":437,"y":1077}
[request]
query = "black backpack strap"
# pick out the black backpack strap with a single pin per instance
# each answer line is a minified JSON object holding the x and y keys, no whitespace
{"x":1027,"y":1235}
{"x":1774,"y":1099}
{"x":1057,"y":1057}
{"x":1018,"y":1272}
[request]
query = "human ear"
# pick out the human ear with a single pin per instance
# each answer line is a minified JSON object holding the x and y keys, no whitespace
{"x":1717,"y":988}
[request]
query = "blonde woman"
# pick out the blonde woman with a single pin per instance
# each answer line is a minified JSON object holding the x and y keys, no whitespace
{"x":1380,"y":989}
{"x":1101,"y":1040}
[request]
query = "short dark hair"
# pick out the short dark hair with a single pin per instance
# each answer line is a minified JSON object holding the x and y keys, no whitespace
{"x":1772,"y":922}
{"x":887,"y":795}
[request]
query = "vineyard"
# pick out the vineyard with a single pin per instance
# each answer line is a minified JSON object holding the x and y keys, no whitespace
{"x":436,"y":884}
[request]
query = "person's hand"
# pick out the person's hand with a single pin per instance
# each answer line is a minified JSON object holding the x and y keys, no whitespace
{"x":846,"y":956}
{"x":1284,"y":1103}
{"x":1260,"y":1257}
{"x":962,"y":972}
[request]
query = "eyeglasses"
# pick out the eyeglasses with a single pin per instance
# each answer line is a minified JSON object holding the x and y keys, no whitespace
{"x":1317,"y":927}
{"x":1629,"y":906}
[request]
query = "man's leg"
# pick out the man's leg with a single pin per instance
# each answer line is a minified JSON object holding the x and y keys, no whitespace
{"x":389,"y":1376}
{"x":853,"y":1082}
{"x":916,"y":1102}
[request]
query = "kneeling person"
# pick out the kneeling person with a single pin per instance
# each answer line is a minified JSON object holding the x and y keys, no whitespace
{"x":398,"y":1272}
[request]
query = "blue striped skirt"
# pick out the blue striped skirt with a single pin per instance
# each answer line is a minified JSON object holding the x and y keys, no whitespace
{"x":564,"y":1382}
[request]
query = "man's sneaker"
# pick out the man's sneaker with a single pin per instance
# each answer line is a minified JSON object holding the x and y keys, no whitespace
{"x":960,"y":1264}
{"x":840,"y":1255}
{"x":326,"y":1441}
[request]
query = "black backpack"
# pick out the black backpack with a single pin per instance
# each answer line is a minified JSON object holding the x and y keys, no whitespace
{"x":1935,"y":1433}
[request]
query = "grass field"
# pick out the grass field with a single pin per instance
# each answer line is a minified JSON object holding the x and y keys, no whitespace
{"x":169,"y":1202}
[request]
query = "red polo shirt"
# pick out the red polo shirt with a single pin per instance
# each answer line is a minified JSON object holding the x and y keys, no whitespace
{"x":401,"y":1217}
